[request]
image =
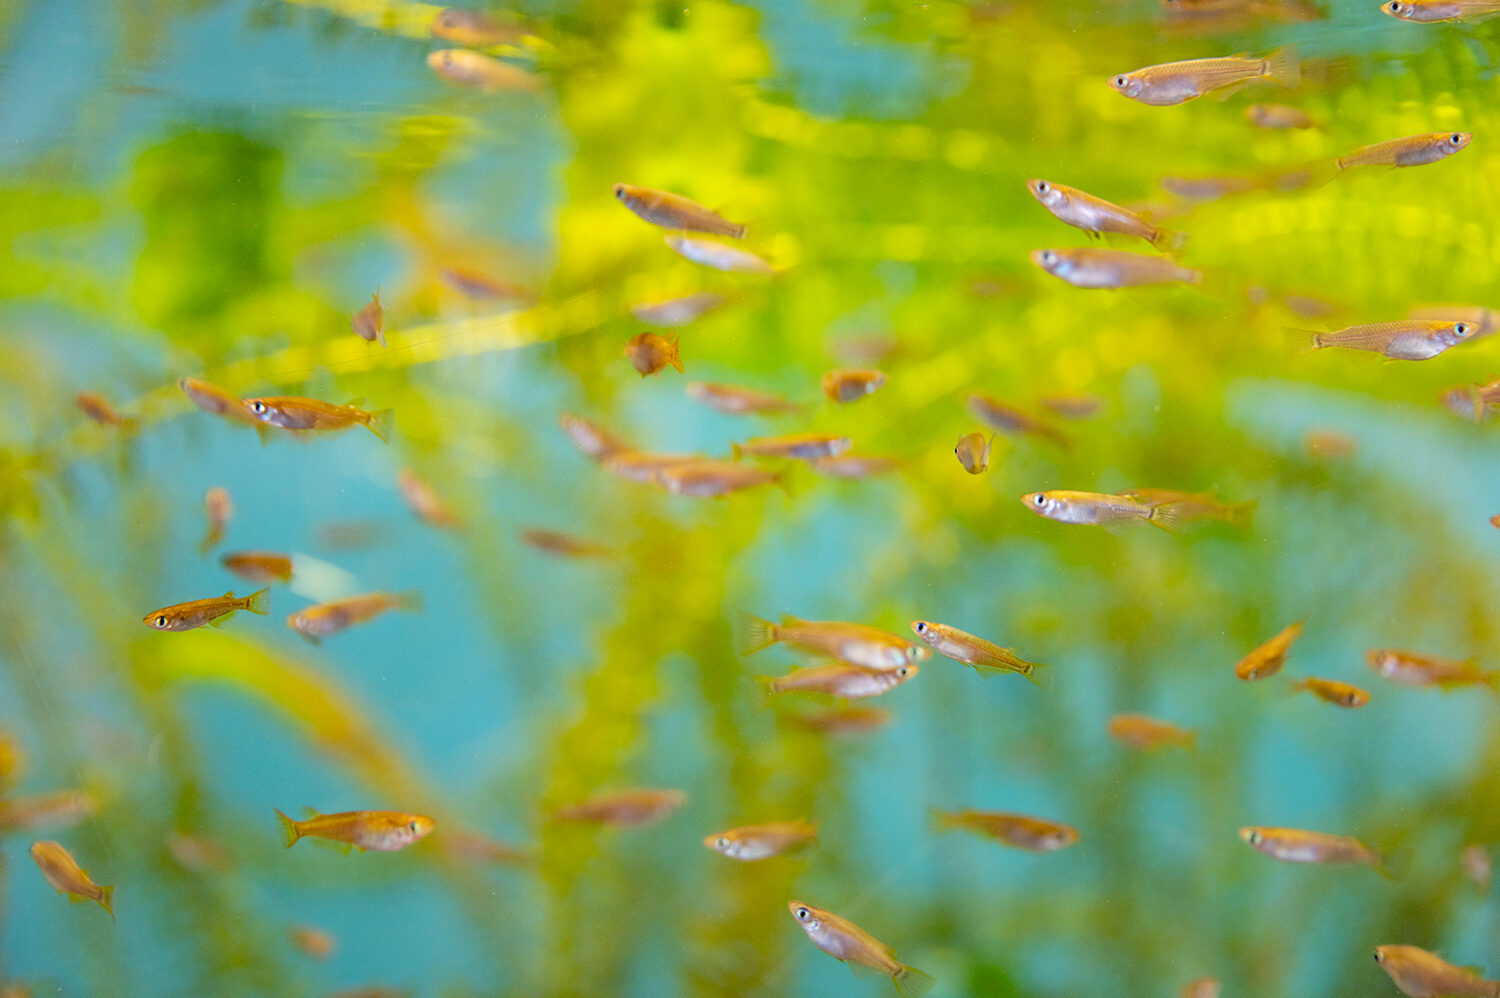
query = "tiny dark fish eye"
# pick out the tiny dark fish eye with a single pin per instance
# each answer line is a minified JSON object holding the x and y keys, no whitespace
{"x":161,"y":621}
{"x":1456,"y":138}
{"x":803,"y":913}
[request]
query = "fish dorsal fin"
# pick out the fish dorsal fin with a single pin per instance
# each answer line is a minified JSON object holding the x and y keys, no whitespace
{"x":229,"y":595}
{"x":787,"y":620}
{"x":309,"y":813}
{"x":358,"y":403}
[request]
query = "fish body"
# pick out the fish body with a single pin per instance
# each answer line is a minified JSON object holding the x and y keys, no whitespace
{"x":733,"y":400}
{"x":196,"y":613}
{"x":711,"y":479}
{"x":1410,"y":150}
{"x":290,"y":412}
{"x":1332,"y":691}
{"x":851,"y":385}
{"x":565,"y":545}
{"x":803,"y":446}
{"x":673,"y":211}
{"x":368,"y":321}
{"x":986,"y":657}
{"x":841,"y":720}
{"x":482,"y":849}
{"x":718,"y":256}
{"x":973,"y":452}
{"x":752,"y":842}
{"x":214,"y":400}
{"x":643,"y":467}
{"x":1099,"y":509}
{"x":1190,"y":506}
{"x":624,"y":808}
{"x":1429,"y":11}
{"x":1268,"y":658}
{"x":1411,"y":669}
{"x":843,"y":940}
{"x":1278,"y":116}
{"x":842,"y":680}
{"x":1404,"y":339}
{"x":470,"y":69}
{"x":1294,"y":845}
{"x":1095,"y":215}
{"x":1177,"y":82}
{"x":1107,"y":269}
{"x":1200,"y":987}
{"x":1421,"y":974}
{"x":382,"y":831}
{"x":1073,"y":406}
{"x":473,"y":28}
{"x":62,"y":871}
{"x":673,"y":312}
{"x":1008,"y":419}
{"x":1147,"y":733}
{"x":259,"y":566}
{"x":424,"y":502}
{"x":99,"y":409}
{"x":480,"y":287}
{"x":1478,"y":865}
{"x":219,"y":508}
{"x":198,"y":853}
{"x":855,"y":644}
{"x":323,"y":619}
{"x":58,"y":809}
{"x":853,"y":465}
{"x":314,"y":942}
{"x":650,"y":353}
{"x":1019,"y":831}
{"x":591,"y":438}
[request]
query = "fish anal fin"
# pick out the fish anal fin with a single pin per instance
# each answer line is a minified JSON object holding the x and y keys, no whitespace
{"x":860,"y":970}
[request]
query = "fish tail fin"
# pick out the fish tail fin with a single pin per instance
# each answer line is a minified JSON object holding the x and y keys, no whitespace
{"x":1167,"y":516}
{"x":1169,"y":241}
{"x":1393,"y":863}
{"x":1190,"y":740}
{"x":756,"y":633}
{"x":739,"y":232}
{"x":1314,"y":339}
{"x":1241,"y":514}
{"x":106,"y":898}
{"x":770,"y":685}
{"x":289,"y":828}
{"x":942,"y":821}
{"x":1282,"y":68}
{"x":1492,"y":680}
{"x":380,"y":424}
{"x":380,"y":337}
{"x":736,"y":451}
{"x":410,"y":601}
{"x":911,"y":982}
{"x":259,"y":601}
{"x":1040,"y":674}
{"x":676,"y":354}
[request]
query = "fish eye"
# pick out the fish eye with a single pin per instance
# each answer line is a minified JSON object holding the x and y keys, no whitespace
{"x":257,"y":406}
{"x":1120,"y":81}
{"x":1461,"y":329}
{"x":921,"y":626}
{"x":1351,"y":699}
{"x":1379,"y":956}
{"x":412,"y":826}
{"x":160,"y":621}
{"x":1457,"y":138}
{"x":1254,"y":838}
{"x":1395,"y":8}
{"x":1049,"y":257}
{"x":1039,"y":499}
{"x":1042,"y":187}
{"x":620,"y":191}
{"x":802,"y":914}
{"x":722,"y":842}
{"x":902,"y":672}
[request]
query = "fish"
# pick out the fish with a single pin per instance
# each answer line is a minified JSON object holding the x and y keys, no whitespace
{"x":100,"y":410}
{"x":382,"y":831}
{"x":1293,"y":845}
{"x":1139,"y":731}
{"x":219,"y":507}
{"x":1194,"y":506}
{"x":854,"y":465}
{"x":1421,"y":974}
{"x":1410,"y":150}
{"x":1100,"y":509}
{"x":1464,"y":401}
{"x":1008,"y":419}
{"x":480,"y":287}
{"x":313,"y":942}
{"x":322,"y":619}
{"x":198,"y":853}
{"x":985,"y":657}
{"x":855,"y":644}
{"x":1200,"y":987}
{"x":1404,"y":339}
{"x":711,"y":479}
{"x":1428,"y":11}
{"x":624,"y":808}
{"x":367,"y":322}
{"x":424,"y":502}
{"x":566,"y":545}
{"x":591,"y":438}
{"x":643,"y":467}
{"x":62,"y":871}
{"x":1107,"y":269}
{"x":1412,"y":669}
{"x":1178,"y":82}
{"x":1330,"y":444}
{"x":845,"y":941}
{"x":752,"y":842}
{"x":1478,"y":865}
{"x":482,"y":849}
{"x":1019,"y":831}
{"x":842,"y":680}
{"x":259,"y":566}
{"x":12,"y":761}
{"x":673,"y":211}
{"x":1073,"y":406}
{"x":290,"y":412}
{"x":718,"y":256}
{"x":1279,"y":116}
{"x":851,"y":385}
{"x":973,"y":452}
{"x":733,"y":400}
{"x":1333,"y":691}
{"x":470,"y":69}
{"x":473,"y":28}
{"x":1267,"y":658}
{"x":216,"y":401}
{"x":673,"y":312}
{"x":840,"y":720}
{"x":1209,"y":188}
{"x":57,"y":809}
{"x":803,"y":446}
{"x":214,"y":611}
{"x":1095,"y":215}
{"x":650,"y":353}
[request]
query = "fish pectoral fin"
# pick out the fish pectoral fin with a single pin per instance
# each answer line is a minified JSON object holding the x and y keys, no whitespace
{"x":1224,"y":93}
{"x":219,"y":620}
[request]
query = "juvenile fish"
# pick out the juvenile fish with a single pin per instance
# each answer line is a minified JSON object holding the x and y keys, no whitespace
{"x":734,"y":400}
{"x":473,"y":28}
{"x":565,"y":545}
{"x":1016,"y":830}
{"x":711,"y":479}
{"x":752,"y":842}
{"x":259,"y":566}
{"x":624,"y":808}
{"x":470,"y":69}
{"x":1008,"y":419}
{"x":212,"y":399}
{"x":1178,"y":82}
{"x":1478,"y":866}
{"x":1421,"y":974}
{"x":1073,"y":406}
{"x":1147,"y":733}
{"x":1404,"y":339}
{"x":852,"y":643}
{"x":843,"y":940}
{"x":804,"y":446}
{"x":718,"y":256}
{"x":841,"y":720}
{"x":58,"y":809}
{"x":591,"y":438}
{"x":219,"y":507}
{"x":482,"y":288}
{"x":367,"y":322}
{"x":62,"y":871}
{"x":849,"y":386}
{"x":291,"y":412}
{"x":1107,"y":269}
{"x":1410,"y":150}
{"x":1428,"y":11}
{"x":99,"y":409}
{"x":1268,"y":658}
{"x":1100,"y":509}
{"x":642,"y":467}
{"x":1332,"y":691}
{"x":186,"y":616}
{"x":197,"y":853}
{"x":672,"y":312}
{"x":382,"y":831}
{"x":322,"y":619}
{"x":650,"y":353}
{"x":1411,"y":669}
{"x":1278,"y":116}
{"x":1293,"y":845}
{"x":853,"y":465}
{"x":1095,"y":215}
{"x":1200,"y":987}
{"x":424,"y":502}
{"x":973,"y":452}
{"x":673,"y":211}
{"x":842,"y":680}
{"x":483,"y":849}
{"x":985,"y":657}
{"x":314,"y":942}
{"x":1209,"y":188}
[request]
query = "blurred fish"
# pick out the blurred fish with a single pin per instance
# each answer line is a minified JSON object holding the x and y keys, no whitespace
{"x":1107,"y":269}
{"x":852,"y":643}
{"x":1209,"y":188}
{"x":215,"y":400}
{"x":565,"y":545}
{"x":480,"y":287}
{"x":841,"y":720}
{"x":67,"y":877}
{"x":483,"y":849}
{"x":1332,"y":691}
{"x":259,"y":566}
{"x":383,"y":831}
{"x":99,"y":409}
{"x":291,"y":412}
{"x":424,"y":502}
{"x":673,"y":312}
{"x":853,"y":465}
{"x":1442,"y":10}
{"x":1410,"y":150}
{"x":1495,"y":520}
{"x":347,"y":535}
{"x":1278,"y":116}
{"x":1008,"y":419}
{"x":1100,"y":509}
{"x":1096,"y":215}
{"x":650,"y":353}
{"x":470,"y":69}
{"x":314,"y":942}
{"x":1200,"y":987}
{"x":12,"y":761}
{"x":366,"y":323}
{"x":1073,"y":406}
{"x":1194,"y":506}
{"x":1469,"y":401}
{"x":1293,"y":845}
{"x":591,"y":438}
{"x":60,"y":809}
{"x":673,"y":211}
{"x":842,"y":680}
{"x":985,"y":657}
{"x":1411,"y":669}
{"x":710,"y":479}
{"x":718,"y":256}
{"x":214,"y":610}
{"x":219,"y":507}
{"x":1478,"y":865}
{"x":322,"y":619}
{"x":752,"y":842}
{"x":973,"y":452}
{"x":1329,"y":444}
{"x":850,"y":385}
{"x":1404,"y":339}
{"x":473,"y":28}
{"x":1421,"y":974}
{"x":198,"y":853}
{"x":1016,"y":830}
{"x":734,"y":400}
{"x":639,"y":466}
{"x":625,"y":808}
{"x":1268,"y":658}
{"x":843,"y":940}
{"x":1147,"y":733}
{"x":804,"y":446}
{"x":1178,"y":82}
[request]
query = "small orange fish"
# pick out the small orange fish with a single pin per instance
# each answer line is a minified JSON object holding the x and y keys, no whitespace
{"x":853,"y":465}
{"x":259,"y":566}
{"x":673,"y":312}
{"x":219,"y":507}
{"x":1008,"y":419}
{"x":973,"y":452}
{"x":733,"y":400}
{"x":1421,"y":974}
{"x":566,"y":545}
{"x":650,"y":353}
{"x":482,"y":288}
{"x":482,"y":849}
{"x":367,"y":322}
{"x":215,"y":400}
{"x":591,"y":438}
{"x":67,"y":877}
{"x":845,"y":941}
{"x":1404,"y":339}
{"x":850,"y":385}
{"x":1109,"y":269}
{"x":1428,"y":11}
{"x":423,"y":500}
{"x":473,"y":28}
{"x":322,"y":619}
{"x":842,"y":680}
{"x":1095,"y":215}
{"x":1478,"y":865}
{"x":710,"y":479}
{"x":470,"y":69}
{"x":1268,"y":658}
{"x":803,"y":446}
{"x":314,"y":942}
{"x":1332,"y":691}
{"x":1147,"y":733}
{"x":214,"y":610}
{"x":718,"y":256}
{"x":855,"y":644}
{"x":59,"y":809}
{"x":99,"y":409}
{"x":673,"y":211}
{"x":841,"y":720}
{"x":1293,"y":845}
{"x":1200,"y":987}
{"x":1410,"y":150}
{"x":1017,"y":830}
{"x":1329,"y":444}
{"x":1073,"y":406}
{"x":290,"y":412}
{"x":625,"y":808}
{"x":1099,"y":509}
{"x":383,"y":831}
{"x":642,"y":467}
{"x":197,"y":853}
{"x":1177,"y":82}
{"x":1278,"y":116}
{"x":752,"y":842}
{"x":984,"y":657}
{"x":1411,"y":669}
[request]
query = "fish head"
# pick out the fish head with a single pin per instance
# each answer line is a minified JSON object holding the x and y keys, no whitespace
{"x":1398,"y":8}
{"x":260,"y":409}
{"x":904,"y":672}
{"x":1051,"y":261}
{"x":299,"y":622}
{"x":1382,"y":952}
{"x":1252,"y":836}
{"x":1454,"y":141}
{"x":1382,"y":661}
{"x":722,"y":843}
{"x":1045,"y":193}
{"x":915,"y":654}
{"x":922,"y":628}
{"x":440,"y":61}
{"x":415,"y":826}
{"x":1043,"y":504}
{"x":621,"y":191}
{"x":1457,"y":333}
{"x":160,"y":620}
{"x":1353,"y":698}
{"x":806,"y":915}
{"x":1128,"y":84}
{"x":1059,"y":838}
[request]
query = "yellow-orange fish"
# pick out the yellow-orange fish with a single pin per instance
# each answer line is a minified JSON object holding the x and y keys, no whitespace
{"x":650,"y":353}
{"x":843,"y":940}
{"x":855,"y":644}
{"x":1278,"y":116}
{"x":58,"y":809}
{"x":473,"y":28}
{"x":711,"y":479}
{"x":842,"y":680}
{"x":672,"y":312}
{"x":424,"y":502}
{"x":470,"y":69}
{"x":322,"y":619}
{"x":368,"y":322}
{"x":99,"y":409}
{"x":718,"y":256}
{"x":1095,"y":215}
{"x":290,"y":412}
{"x":1108,"y":269}
{"x":1428,"y":11}
{"x":752,"y":842}
{"x":644,"y":467}
{"x":1294,"y":845}
{"x":734,"y":400}
{"x":382,"y":831}
{"x":804,"y":446}
{"x":259,"y":566}
{"x":62,"y":871}
{"x":1012,"y":421}
{"x":984,"y":657}
{"x":1019,"y":831}
{"x":1140,"y":731}
{"x":1412,"y":669}
{"x":214,"y":610}
{"x":849,"y":385}
{"x":973,"y":452}
{"x":673,"y":211}
{"x":314,"y":942}
{"x":624,"y":808}
{"x":478,"y":286}
{"x":591,"y":438}
{"x":212,"y":399}
{"x":1267,"y":659}
{"x":1421,"y":974}
{"x":1178,"y":82}
{"x":1404,"y":339}
{"x":219,"y":507}
{"x":1099,"y":509}
{"x":1409,"y":150}
{"x":840,"y":720}
{"x":1333,"y":691}
{"x":565,"y":545}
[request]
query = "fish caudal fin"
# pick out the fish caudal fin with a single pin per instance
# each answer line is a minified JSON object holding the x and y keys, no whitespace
{"x":756,"y":633}
{"x":675,"y":357}
{"x":106,"y":898}
{"x":380,"y":424}
{"x":735,"y":451}
{"x":1040,"y":674}
{"x":1282,"y":68}
{"x":1167,"y":516}
{"x":1241,"y":514}
{"x":289,"y":829}
{"x":1169,"y":241}
{"x":911,"y":982}
{"x":941,"y":820}
{"x":410,"y":601}
{"x":259,"y":601}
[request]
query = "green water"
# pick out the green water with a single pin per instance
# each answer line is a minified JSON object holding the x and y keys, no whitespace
{"x":212,"y":189}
